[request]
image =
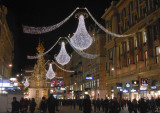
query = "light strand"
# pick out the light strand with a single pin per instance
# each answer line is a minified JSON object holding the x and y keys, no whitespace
{"x":83,"y":54}
{"x":81,"y":39}
{"x":50,"y":73}
{"x":40,"y":30}
{"x":62,"y":68}
{"x":63,"y":58}
{"x":105,"y":30}
{"x":38,"y":56}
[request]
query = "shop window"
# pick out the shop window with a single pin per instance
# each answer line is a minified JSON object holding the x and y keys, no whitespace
{"x":144,"y":37}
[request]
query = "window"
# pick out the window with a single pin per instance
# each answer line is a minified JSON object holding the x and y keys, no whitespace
{"x":94,"y":83}
{"x":127,"y":46}
{"x":129,"y":61}
{"x":111,"y":55}
{"x":135,"y":42}
{"x":144,"y":37}
{"x":157,"y":53}
{"x":146,"y":57}
{"x":136,"y":58}
{"x":97,"y":82}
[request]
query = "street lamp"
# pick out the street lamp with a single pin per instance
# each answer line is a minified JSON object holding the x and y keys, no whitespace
{"x":17,"y":75}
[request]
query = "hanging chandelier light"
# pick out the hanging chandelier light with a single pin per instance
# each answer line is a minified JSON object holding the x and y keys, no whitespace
{"x":50,"y":73}
{"x":26,"y":84}
{"x":63,"y":58}
{"x":81,"y":39}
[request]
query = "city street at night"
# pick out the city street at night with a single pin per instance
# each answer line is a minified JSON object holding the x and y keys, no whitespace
{"x":80,"y":56}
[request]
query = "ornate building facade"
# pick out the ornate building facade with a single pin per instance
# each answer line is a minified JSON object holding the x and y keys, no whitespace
{"x":133,"y":64}
{"x":6,"y":45}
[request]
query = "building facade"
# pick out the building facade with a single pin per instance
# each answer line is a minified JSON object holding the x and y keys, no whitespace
{"x":6,"y":45}
{"x":133,"y":64}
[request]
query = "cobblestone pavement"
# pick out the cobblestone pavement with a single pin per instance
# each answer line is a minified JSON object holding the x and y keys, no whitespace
{"x":67,"y":109}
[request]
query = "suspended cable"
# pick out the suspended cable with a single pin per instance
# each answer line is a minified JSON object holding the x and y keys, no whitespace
{"x":62,"y":68}
{"x":38,"y":56}
{"x":105,"y":30}
{"x":83,"y":54}
{"x":40,"y":30}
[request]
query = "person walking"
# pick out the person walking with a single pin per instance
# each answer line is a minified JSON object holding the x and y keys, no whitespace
{"x":142,"y":106}
{"x":98,"y":103}
{"x":130,"y":106}
{"x":114,"y":106}
{"x":15,"y":106}
{"x":43,"y":105}
{"x":106,"y":103}
{"x":87,"y":105}
{"x":94,"y":104}
{"x":135,"y":105}
{"x":51,"y":104}
{"x":32,"y":105}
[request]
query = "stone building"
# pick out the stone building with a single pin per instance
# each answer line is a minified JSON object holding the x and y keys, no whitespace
{"x":133,"y":64}
{"x":6,"y":45}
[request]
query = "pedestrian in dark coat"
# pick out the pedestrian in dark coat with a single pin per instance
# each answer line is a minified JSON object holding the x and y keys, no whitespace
{"x":51,"y":104}
{"x":87,"y":105}
{"x":32,"y":105}
{"x":142,"y":106}
{"x":135,"y":105}
{"x":98,"y":103}
{"x":15,"y":106}
{"x":43,"y":105}
{"x":130,"y":106}
{"x":94,"y":104}
{"x":106,"y":102}
{"x":114,"y":106}
{"x":102,"y":104}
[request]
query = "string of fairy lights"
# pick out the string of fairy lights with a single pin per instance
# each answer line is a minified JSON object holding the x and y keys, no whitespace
{"x":81,"y":40}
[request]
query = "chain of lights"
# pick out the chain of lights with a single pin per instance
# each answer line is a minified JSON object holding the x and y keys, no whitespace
{"x":38,"y":56}
{"x":63,"y":58}
{"x":50,"y":73}
{"x":40,"y":30}
{"x":105,"y":30}
{"x":83,"y":54}
{"x":26,"y":84}
{"x":81,"y":39}
{"x":62,"y":68}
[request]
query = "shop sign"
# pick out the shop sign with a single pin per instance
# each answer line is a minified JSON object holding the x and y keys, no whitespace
{"x":143,"y":88}
{"x":133,"y":90}
{"x":125,"y":91}
{"x":135,"y":83}
{"x":128,"y":85}
{"x":112,"y":90}
{"x":144,"y":81}
{"x":119,"y":85}
{"x":89,"y":78}
{"x":153,"y":87}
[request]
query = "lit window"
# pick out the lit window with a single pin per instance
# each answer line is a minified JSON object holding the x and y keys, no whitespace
{"x":127,"y":46}
{"x":137,"y":58}
{"x":97,"y":82}
{"x":144,"y":37}
{"x":135,"y":42}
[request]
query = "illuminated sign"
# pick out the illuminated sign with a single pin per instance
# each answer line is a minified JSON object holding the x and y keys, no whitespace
{"x":144,"y":81}
{"x":133,"y":90}
{"x":143,"y":88}
{"x":135,"y":83}
{"x":153,"y":87}
{"x":128,"y":85}
{"x":62,"y":88}
{"x":88,"y":78}
{"x":125,"y":91}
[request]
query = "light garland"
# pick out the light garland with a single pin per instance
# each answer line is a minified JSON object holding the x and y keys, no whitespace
{"x":50,"y":73}
{"x":105,"y":30}
{"x":26,"y":84}
{"x":62,"y":68}
{"x":83,"y":54}
{"x":38,"y":56}
{"x":63,"y":58}
{"x":81,"y":39}
{"x":40,"y":30}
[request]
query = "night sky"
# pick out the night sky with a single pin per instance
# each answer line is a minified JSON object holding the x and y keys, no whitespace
{"x":45,"y":13}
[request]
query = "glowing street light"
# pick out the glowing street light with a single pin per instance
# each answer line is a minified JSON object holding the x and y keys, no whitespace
{"x":10,"y":65}
{"x":17,"y":75}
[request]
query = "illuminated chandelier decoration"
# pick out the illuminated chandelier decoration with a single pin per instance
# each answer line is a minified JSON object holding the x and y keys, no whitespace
{"x":81,"y":39}
{"x":63,"y":58}
{"x":50,"y":73}
{"x":40,"y":30}
{"x":26,"y":84}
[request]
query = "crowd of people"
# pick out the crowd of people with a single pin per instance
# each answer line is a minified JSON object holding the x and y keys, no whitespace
{"x":86,"y":105}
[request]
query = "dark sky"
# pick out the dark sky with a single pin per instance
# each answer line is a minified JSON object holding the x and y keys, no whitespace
{"x":45,"y":13}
